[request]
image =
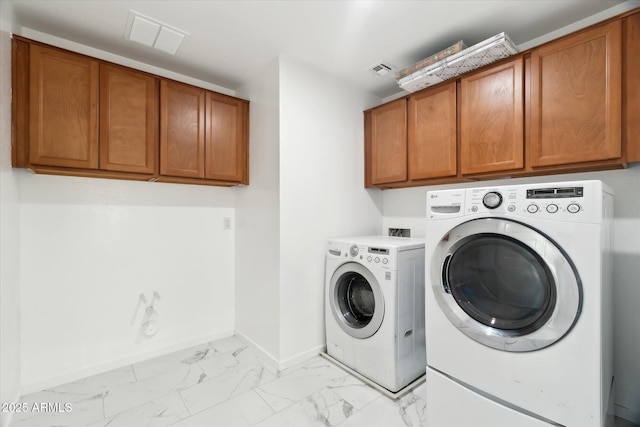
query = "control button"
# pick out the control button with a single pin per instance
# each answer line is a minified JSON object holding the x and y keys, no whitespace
{"x":573,"y":208}
{"x":532,"y":208}
{"x":552,"y":208}
{"x":353,"y":250}
{"x":492,"y":199}
{"x":377,"y":260}
{"x":474,"y":208}
{"x":511,"y":208}
{"x":384,"y":260}
{"x":369,"y":258}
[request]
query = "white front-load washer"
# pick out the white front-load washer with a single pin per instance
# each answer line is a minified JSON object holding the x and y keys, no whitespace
{"x":518,"y":305}
{"x":374,"y":307}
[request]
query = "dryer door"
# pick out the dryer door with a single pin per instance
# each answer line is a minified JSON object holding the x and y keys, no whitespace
{"x":356,"y":300}
{"x":505,"y":284}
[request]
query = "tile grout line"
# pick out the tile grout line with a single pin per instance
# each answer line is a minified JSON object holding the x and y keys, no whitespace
{"x":133,"y":370}
{"x":185,"y":406}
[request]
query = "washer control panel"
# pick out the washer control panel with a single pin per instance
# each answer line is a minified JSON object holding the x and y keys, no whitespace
{"x":541,"y":202}
{"x":370,"y":255}
{"x":378,"y":255}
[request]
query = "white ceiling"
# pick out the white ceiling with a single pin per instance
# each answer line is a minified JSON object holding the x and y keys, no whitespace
{"x":230,"y":41}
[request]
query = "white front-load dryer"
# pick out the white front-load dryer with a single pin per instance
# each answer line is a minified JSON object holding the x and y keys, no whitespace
{"x":374,"y":307}
{"x":519,"y":305}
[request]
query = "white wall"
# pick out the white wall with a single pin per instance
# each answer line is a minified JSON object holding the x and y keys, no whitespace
{"x":406,"y":208}
{"x":90,"y":247}
{"x":307,"y":168}
{"x":77,"y":252}
{"x":322,"y":194}
{"x":257,"y":220}
{"x":9,"y":244}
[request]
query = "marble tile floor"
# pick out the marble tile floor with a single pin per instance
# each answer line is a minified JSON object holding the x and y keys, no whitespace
{"x":222,"y":384}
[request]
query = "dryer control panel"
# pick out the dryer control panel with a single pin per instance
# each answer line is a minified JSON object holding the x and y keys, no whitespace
{"x":562,"y":203}
{"x":570,"y":202}
{"x":492,"y":200}
{"x":579,"y":201}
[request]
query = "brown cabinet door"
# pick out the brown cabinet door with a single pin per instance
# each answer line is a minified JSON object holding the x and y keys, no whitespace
{"x":128,"y":120}
{"x":182,"y":127}
{"x":63,"y":111}
{"x":432,"y":133}
{"x":388,"y":142}
{"x":492,"y":119}
{"x":226,"y":138}
{"x":631,"y":87}
{"x":576,"y":99}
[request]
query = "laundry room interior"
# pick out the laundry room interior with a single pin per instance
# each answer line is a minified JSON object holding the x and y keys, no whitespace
{"x":133,"y":297}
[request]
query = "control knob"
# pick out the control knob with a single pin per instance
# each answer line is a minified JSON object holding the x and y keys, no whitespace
{"x":492,"y":200}
{"x":353,"y":250}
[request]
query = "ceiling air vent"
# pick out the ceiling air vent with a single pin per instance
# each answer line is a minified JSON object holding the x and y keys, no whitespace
{"x":151,"y":32}
{"x":381,"y":68}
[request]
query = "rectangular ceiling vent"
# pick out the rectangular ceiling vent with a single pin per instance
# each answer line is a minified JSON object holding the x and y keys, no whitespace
{"x":153,"y":33}
{"x":381,"y":68}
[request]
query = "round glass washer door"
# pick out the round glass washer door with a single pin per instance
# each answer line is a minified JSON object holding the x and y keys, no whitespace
{"x":505,"y":284}
{"x":356,"y":300}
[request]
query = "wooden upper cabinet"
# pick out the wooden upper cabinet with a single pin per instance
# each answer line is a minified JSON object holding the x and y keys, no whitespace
{"x":63,"y":109}
{"x":387,"y":140}
{"x":182,"y":130}
{"x":492,"y":119}
{"x":631,"y":87}
{"x":226,"y":138}
{"x":432,"y":133}
{"x":128,"y":120}
{"x":576,"y":98}
{"x":80,"y":116}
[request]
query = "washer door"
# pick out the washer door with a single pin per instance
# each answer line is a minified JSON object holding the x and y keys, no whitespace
{"x":505,"y":284}
{"x":356,"y":300}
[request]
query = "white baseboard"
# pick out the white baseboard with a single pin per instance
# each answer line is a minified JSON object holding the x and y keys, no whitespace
{"x":301,"y":357}
{"x":270,"y":362}
{"x":119,"y":363}
{"x":6,"y":417}
{"x":275,"y":365}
